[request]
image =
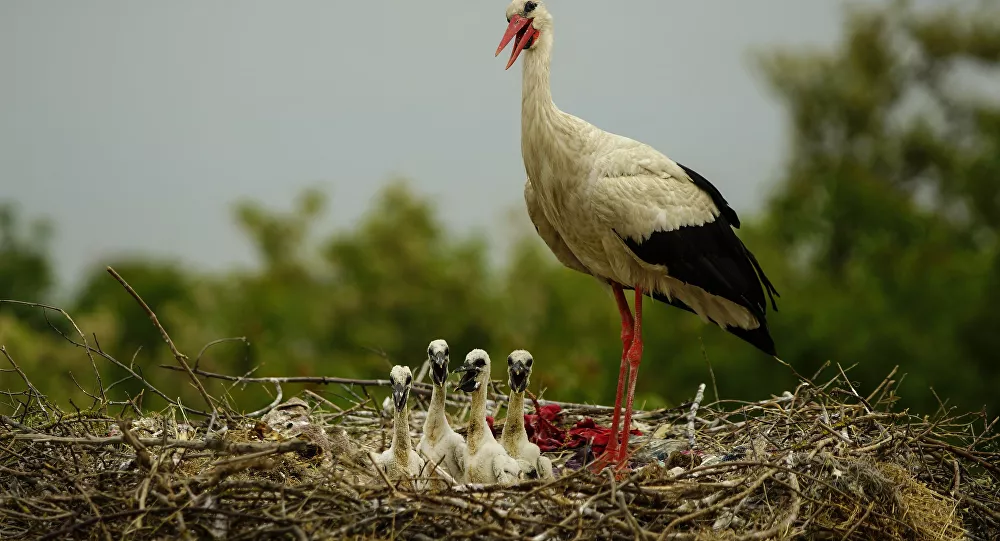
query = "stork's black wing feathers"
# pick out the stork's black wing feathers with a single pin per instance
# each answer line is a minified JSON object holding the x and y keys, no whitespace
{"x":714,"y":193}
{"x":710,"y":256}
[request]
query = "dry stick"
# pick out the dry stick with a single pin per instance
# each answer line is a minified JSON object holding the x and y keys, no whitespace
{"x":138,"y":378}
{"x":885,"y":382}
{"x":324,"y":400}
{"x":181,"y":358}
{"x":698,"y":397}
{"x":847,"y":380}
{"x":421,"y":388}
{"x":858,"y":523}
{"x":718,"y":505}
{"x":711,"y":372}
{"x":382,"y":474}
{"x":269,"y":407}
{"x":94,"y":508}
{"x":93,"y":363}
{"x":31,"y":387}
{"x":961,"y":452}
{"x":789,"y":518}
{"x":216,"y":342}
{"x":197,"y":445}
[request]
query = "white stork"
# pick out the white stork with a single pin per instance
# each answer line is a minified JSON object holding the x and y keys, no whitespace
{"x":621,"y":211}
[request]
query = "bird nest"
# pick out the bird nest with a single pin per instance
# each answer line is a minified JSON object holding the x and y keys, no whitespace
{"x":819,"y":462}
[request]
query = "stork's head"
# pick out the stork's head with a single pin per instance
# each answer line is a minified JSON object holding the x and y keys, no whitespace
{"x":475,"y":371}
{"x":526,"y":20}
{"x":437,"y":354}
{"x":401,"y":379}
{"x":519,"y":370}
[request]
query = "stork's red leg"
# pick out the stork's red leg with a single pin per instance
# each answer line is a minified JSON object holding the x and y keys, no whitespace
{"x":610,"y":455}
{"x":634,"y":358}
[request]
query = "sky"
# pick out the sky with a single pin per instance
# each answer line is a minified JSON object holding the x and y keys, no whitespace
{"x":135,"y":126}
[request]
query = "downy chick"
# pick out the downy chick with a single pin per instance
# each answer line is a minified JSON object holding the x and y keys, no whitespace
{"x":486,"y":461}
{"x":514,"y":438}
{"x":439,"y":443}
{"x":400,"y":461}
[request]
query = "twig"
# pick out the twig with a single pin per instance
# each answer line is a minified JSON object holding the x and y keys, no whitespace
{"x":83,"y":338}
{"x":197,"y":360}
{"x":31,"y":387}
{"x":421,"y":388}
{"x":215,"y":445}
{"x":181,"y":358}
{"x":698,"y":397}
{"x":271,"y":406}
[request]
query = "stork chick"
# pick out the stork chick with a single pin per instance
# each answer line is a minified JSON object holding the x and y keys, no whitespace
{"x":439,"y":443}
{"x":514,"y":438}
{"x":486,"y":461}
{"x":400,"y":461}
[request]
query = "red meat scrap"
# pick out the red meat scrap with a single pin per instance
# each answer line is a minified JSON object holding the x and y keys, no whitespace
{"x":587,"y":431}
{"x":542,"y":430}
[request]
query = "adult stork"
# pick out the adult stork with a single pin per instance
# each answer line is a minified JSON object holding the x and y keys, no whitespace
{"x":621,"y":211}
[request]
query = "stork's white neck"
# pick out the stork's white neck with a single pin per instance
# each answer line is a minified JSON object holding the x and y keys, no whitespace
{"x":551,"y":140}
{"x":536,"y":93}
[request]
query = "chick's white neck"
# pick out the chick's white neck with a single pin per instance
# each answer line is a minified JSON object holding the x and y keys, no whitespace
{"x":513,"y":426}
{"x":401,"y":435}
{"x":478,"y":429}
{"x":436,"y":420}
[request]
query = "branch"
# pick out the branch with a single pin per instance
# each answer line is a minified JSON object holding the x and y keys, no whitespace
{"x":423,"y":389}
{"x":197,"y":445}
{"x":181,"y":358}
{"x":31,"y":387}
{"x":93,"y":363}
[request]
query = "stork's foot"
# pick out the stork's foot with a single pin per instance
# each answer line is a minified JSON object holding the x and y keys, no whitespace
{"x":608,"y":459}
{"x":621,"y":471}
{"x":613,"y":460}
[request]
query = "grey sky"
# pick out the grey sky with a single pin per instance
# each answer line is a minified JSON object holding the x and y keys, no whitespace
{"x":135,"y":125}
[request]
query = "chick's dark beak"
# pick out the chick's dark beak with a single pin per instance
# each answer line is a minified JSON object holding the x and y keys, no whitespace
{"x":399,"y":395}
{"x":439,"y":368}
{"x":468,"y":382}
{"x":518,"y":377}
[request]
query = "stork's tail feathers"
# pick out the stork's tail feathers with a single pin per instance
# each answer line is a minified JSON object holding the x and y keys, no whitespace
{"x":759,"y":338}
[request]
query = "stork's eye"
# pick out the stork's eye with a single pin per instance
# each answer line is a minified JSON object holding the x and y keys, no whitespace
{"x":446,"y":352}
{"x":510,"y":360}
{"x":430,"y":352}
{"x":409,"y":379}
{"x":528,"y":362}
{"x":480,"y":363}
{"x":529,"y":7}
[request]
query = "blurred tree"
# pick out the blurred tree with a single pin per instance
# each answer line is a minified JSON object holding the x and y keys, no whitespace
{"x":163,"y":285}
{"x":889,"y":210}
{"x":25,"y":269}
{"x":402,"y":281}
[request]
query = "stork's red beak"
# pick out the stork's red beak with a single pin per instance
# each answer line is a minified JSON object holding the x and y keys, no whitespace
{"x":521,"y":27}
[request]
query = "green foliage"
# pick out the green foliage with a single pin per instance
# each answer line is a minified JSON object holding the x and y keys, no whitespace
{"x":891,"y":199}
{"x":881,"y":235}
{"x":25,"y":270}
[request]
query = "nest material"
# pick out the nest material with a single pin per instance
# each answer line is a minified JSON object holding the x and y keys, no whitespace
{"x":821,"y":462}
